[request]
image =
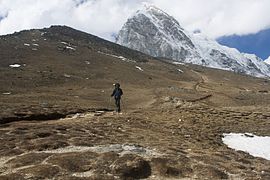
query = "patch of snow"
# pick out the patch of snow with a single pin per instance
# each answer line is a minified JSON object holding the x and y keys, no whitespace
{"x":34,"y":49}
{"x":68,"y":149}
{"x":125,"y":59}
{"x":139,"y":68}
{"x":6,"y":93}
{"x":87,"y":62}
{"x":79,"y":115}
{"x":84,"y":174}
{"x":178,"y":63}
{"x":180,"y":70}
{"x":34,"y":40}
{"x":119,"y":57}
{"x":64,"y":43}
{"x":257,"y":146}
{"x":15,"y":65}
{"x":45,"y":39}
{"x":26,"y":44}
{"x":35,"y":44}
{"x":121,"y":149}
{"x":67,"y":75}
{"x":112,"y":55}
{"x":68,"y":47}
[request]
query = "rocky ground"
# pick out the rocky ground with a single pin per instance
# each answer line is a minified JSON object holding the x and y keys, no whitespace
{"x":177,"y":142}
{"x":57,"y":119}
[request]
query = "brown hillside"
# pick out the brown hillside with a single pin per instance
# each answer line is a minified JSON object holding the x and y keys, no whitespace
{"x":57,"y":120}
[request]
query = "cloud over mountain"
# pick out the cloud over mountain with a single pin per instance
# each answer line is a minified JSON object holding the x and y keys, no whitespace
{"x":104,"y":17}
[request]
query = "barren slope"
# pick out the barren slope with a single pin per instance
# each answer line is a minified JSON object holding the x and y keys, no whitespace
{"x":172,"y":122}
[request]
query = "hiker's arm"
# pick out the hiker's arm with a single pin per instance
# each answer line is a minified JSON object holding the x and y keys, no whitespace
{"x":121,"y":92}
{"x":113,"y":93}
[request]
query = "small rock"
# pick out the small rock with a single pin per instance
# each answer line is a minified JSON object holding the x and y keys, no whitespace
{"x":167,"y":99}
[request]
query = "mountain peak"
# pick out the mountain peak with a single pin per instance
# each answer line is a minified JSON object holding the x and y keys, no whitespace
{"x":154,"y":32}
{"x":150,"y":8}
{"x":155,"y":13}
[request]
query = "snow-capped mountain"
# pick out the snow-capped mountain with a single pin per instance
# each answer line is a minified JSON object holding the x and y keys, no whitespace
{"x":267,"y":60}
{"x":154,"y":32}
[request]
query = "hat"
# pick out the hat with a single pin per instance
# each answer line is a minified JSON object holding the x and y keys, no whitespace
{"x":117,"y":85}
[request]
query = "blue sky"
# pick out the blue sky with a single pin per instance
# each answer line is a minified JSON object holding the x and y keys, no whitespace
{"x":258,"y":43}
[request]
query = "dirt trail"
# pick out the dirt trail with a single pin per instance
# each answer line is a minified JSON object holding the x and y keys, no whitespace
{"x":204,"y":80}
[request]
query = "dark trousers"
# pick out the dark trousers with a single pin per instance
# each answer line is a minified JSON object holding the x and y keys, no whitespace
{"x":117,"y":103}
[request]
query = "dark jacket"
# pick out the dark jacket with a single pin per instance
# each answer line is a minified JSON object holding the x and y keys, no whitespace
{"x":117,"y":93}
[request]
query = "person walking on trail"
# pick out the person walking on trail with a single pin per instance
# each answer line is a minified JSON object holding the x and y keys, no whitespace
{"x":117,"y":93}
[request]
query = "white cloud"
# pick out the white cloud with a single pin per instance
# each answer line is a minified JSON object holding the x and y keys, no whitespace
{"x":220,"y":17}
{"x":105,"y":17}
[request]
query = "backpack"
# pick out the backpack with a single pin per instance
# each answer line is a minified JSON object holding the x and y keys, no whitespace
{"x":117,"y":93}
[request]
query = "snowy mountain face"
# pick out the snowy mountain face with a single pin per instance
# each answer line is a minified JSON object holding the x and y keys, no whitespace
{"x":267,"y":60}
{"x":158,"y":34}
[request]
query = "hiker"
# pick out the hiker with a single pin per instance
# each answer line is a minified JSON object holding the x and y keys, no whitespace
{"x":117,"y":93}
